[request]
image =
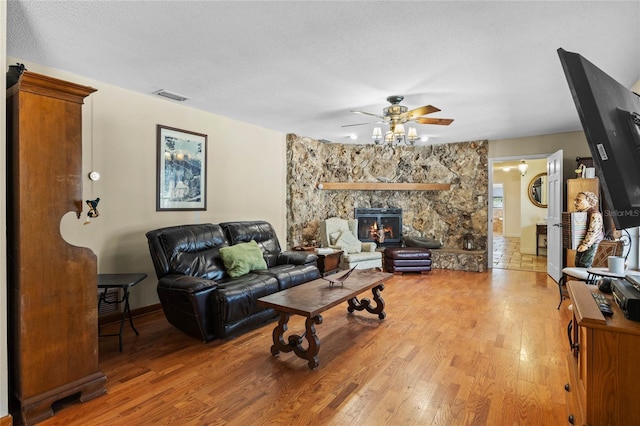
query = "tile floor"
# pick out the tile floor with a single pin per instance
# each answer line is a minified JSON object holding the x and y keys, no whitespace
{"x":506,"y":255}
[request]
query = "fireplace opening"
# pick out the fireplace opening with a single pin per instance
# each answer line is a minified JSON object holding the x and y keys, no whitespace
{"x":379,"y":225}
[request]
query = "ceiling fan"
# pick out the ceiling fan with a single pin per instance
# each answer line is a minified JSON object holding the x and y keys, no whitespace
{"x":397,"y":114}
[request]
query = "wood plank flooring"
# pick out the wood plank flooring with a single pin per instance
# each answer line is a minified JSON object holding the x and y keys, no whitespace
{"x":456,"y":348}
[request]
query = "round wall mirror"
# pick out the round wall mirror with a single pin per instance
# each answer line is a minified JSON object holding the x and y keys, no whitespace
{"x":538,"y":190}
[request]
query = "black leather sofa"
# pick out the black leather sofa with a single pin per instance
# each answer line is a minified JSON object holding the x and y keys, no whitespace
{"x":197,"y":294}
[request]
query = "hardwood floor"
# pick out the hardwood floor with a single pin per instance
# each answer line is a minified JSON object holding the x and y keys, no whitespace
{"x":456,"y":348}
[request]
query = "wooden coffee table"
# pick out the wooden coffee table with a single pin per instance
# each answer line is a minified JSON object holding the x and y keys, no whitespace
{"x":311,"y":299}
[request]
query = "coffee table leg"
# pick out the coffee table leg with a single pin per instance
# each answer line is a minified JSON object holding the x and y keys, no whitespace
{"x":360,"y":305}
{"x":313,"y":347}
{"x":295,"y":342}
{"x":278,"y":335}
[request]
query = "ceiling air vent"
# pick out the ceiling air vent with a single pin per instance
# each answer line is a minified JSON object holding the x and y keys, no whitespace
{"x":171,"y":95}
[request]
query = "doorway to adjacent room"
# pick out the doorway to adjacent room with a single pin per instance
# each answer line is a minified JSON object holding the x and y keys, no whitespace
{"x":509,"y":232}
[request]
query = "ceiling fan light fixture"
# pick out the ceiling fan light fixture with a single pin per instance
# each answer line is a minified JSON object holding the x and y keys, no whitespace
{"x":396,"y":115}
{"x":388,"y":137}
{"x":377,"y":135}
{"x":412,"y":135}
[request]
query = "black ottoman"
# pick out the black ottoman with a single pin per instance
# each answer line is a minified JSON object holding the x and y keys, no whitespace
{"x":407,"y":259}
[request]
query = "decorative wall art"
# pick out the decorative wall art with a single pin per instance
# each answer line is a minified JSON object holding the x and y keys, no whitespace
{"x":182,"y":167}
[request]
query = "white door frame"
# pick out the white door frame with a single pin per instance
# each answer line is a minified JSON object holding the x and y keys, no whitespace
{"x":490,"y":200}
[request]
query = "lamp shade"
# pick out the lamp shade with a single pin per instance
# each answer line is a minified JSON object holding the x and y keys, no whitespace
{"x":413,"y":133}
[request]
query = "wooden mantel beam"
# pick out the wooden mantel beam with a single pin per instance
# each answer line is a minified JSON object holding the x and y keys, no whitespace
{"x":384,"y":186}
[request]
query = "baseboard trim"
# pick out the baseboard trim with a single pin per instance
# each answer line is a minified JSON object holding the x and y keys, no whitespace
{"x":138,"y":312}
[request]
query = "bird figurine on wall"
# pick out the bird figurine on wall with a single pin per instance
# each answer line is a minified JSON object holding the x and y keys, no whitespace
{"x":93,"y":209}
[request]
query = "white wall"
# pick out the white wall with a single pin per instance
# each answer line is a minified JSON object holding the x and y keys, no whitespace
{"x":512,"y":195}
{"x":529,"y":213}
{"x":573,"y":144}
{"x":246,"y":175}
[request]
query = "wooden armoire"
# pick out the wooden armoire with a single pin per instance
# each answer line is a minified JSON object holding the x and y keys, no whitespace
{"x":52,"y":285}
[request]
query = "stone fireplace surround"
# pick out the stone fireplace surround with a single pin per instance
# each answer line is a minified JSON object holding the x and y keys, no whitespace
{"x":444,"y":215}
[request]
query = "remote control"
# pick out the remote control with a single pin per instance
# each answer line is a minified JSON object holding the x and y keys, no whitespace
{"x":603,"y":304}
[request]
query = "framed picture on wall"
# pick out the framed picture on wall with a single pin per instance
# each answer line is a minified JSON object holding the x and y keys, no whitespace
{"x":182,"y":170}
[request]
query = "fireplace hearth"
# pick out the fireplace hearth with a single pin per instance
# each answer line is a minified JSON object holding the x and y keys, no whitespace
{"x":380,"y":225}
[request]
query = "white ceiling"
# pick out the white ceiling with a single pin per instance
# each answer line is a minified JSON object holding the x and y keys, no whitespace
{"x":301,"y":66}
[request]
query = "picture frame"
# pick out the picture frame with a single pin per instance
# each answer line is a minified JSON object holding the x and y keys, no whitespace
{"x":181,"y":169}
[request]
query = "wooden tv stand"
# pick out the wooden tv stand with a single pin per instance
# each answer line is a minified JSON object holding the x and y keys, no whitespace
{"x":604,"y":378}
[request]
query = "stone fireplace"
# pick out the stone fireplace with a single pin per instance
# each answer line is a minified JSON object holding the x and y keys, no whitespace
{"x":380,"y":225}
{"x":445,"y":215}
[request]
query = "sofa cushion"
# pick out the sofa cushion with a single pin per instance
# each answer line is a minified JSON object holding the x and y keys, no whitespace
{"x":349,"y":243}
{"x":237,"y":298}
{"x":289,"y":275}
{"x":188,"y":250}
{"x":242,"y":258}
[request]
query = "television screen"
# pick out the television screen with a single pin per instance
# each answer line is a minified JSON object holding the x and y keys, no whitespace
{"x":609,"y":113}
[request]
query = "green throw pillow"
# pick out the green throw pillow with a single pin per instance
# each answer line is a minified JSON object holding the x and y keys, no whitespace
{"x":241,"y":258}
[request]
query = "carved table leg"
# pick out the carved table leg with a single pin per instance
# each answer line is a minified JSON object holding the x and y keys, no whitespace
{"x":311,"y":353}
{"x":295,"y":342}
{"x":359,"y":305}
{"x":278,"y":335}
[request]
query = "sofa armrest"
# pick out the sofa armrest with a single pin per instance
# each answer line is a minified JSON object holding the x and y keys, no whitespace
{"x":186,"y":302}
{"x":297,"y":258}
{"x":369,"y":247}
{"x":186,"y":283}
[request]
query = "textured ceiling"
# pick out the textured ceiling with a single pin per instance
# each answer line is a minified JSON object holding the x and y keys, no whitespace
{"x":300,"y":66}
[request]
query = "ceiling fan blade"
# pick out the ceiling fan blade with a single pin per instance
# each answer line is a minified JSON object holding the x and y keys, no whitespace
{"x":423,"y":110}
{"x":440,"y":121}
{"x":371,"y":114}
{"x":358,"y":124}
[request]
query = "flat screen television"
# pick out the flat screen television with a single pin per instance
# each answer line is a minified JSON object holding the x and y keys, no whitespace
{"x":610,"y":116}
